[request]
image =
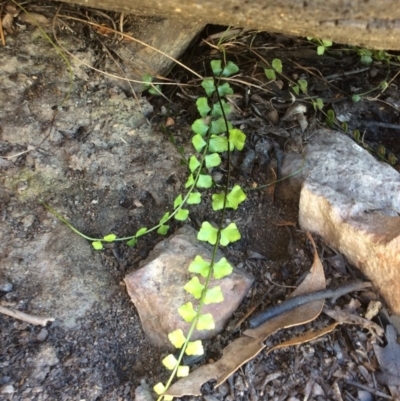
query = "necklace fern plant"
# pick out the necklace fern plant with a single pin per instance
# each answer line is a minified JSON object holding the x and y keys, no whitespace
{"x":213,"y":135}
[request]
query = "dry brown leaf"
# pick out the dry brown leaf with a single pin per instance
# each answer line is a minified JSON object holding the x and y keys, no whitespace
{"x":305,"y":338}
{"x":33,"y":19}
{"x":245,"y":348}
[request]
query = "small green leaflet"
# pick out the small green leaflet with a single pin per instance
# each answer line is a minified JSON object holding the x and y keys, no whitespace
{"x":236,"y":197}
{"x":212,"y":160}
{"x":131,"y":242}
{"x":225,"y":89}
{"x":194,"y":348}
{"x":222,"y":269}
{"x":202,"y":106}
{"x":160,"y":389}
{"x":190,"y":181}
{"x":182,"y":371}
{"x":303,"y":85}
{"x":205,"y":322}
{"x":182,"y":214}
{"x":326,"y":42}
{"x":193,"y":163}
{"x":213,"y":296}
{"x":97,"y":245}
{"x":187,"y":312}
{"x":356,"y":98}
{"x":204,"y":181}
{"x":230,"y":69}
{"x":218,"y":144}
{"x":237,"y":138}
{"x":166,"y":216}
{"x":169,"y":362}
{"x":141,"y":232}
{"x":163,"y":229}
{"x":208,"y":233}
{"x":178,"y":201}
{"x":200,"y":266}
{"x":198,"y":142}
{"x":320,"y":50}
{"x":194,"y":287}
{"x":177,"y":338}
{"x":200,"y":127}
{"x":208,"y":86}
{"x":229,"y":234}
{"x":296,"y":89}
{"x":277,"y":65}
{"x":217,"y":110}
{"x":216,"y":67}
{"x":218,"y":126}
{"x":218,"y":201}
{"x":194,"y":198}
{"x":270,"y":74}
{"x":318,"y":104}
{"x":109,"y":238}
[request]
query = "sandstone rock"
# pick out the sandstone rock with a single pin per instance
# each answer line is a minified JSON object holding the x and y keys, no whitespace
{"x":353,"y":201}
{"x":157,"y":291}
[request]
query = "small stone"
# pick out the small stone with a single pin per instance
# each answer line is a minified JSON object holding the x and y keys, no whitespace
{"x":157,"y":288}
{"x":42,"y":335}
{"x":7,"y":389}
{"x":28,"y":220}
{"x":5,"y":285}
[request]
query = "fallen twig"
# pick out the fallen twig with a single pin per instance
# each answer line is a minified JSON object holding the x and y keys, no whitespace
{"x":32,"y":319}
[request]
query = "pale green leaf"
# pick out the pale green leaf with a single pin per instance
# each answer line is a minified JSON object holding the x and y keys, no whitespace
{"x":218,"y":126}
{"x":193,"y":163}
{"x":200,"y":266}
{"x":205,"y":322}
{"x":200,"y":127}
{"x":169,"y":362}
{"x":225,"y":89}
{"x":131,"y":242}
{"x":216,"y":67}
{"x":190,"y":181}
{"x":141,"y":232}
{"x":204,"y":181}
{"x":159,"y":388}
{"x":109,"y":238}
{"x":182,"y":214}
{"x":194,"y":287}
{"x":214,"y":296}
{"x":230,"y":69}
{"x":303,"y":85}
{"x":218,"y":144}
{"x":222,"y":269}
{"x":229,"y":234}
{"x":320,"y":50}
{"x":187,"y":312}
{"x":356,"y":98}
{"x":213,"y":160}
{"x":165,"y":217}
{"x":163,"y":229}
{"x":155,"y":90}
{"x":194,"y":348}
{"x":217,"y":110}
{"x":318,"y":104}
{"x":97,"y":245}
{"x":194,"y":198}
{"x":182,"y":371}
{"x":207,"y":233}
{"x":296,"y":89}
{"x":236,"y":197}
{"x":202,"y":106}
{"x":277,"y":65}
{"x":178,"y":201}
{"x":177,"y":338}
{"x":270,"y":74}
{"x":237,"y":138}
{"x":208,"y":86}
{"x":218,"y":201}
{"x":326,"y":42}
{"x":198,"y":142}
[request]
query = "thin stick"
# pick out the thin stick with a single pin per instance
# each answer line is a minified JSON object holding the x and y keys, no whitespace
{"x":32,"y":319}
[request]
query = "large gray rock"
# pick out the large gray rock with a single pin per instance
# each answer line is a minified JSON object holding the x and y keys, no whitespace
{"x":157,"y":288}
{"x":359,"y":22}
{"x":353,"y":201}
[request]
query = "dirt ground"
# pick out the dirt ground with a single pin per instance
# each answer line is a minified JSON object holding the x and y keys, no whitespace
{"x":101,"y":159}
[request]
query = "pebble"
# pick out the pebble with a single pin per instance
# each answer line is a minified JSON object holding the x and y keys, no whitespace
{"x":7,"y":389}
{"x":5,"y":286}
